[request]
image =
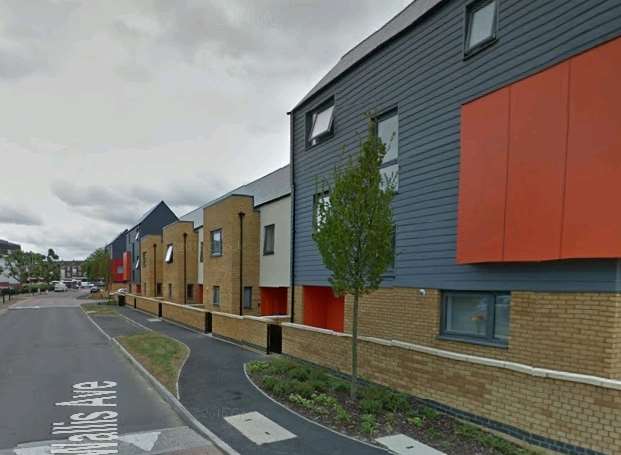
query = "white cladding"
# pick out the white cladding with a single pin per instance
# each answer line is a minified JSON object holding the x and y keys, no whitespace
{"x":275,"y":267}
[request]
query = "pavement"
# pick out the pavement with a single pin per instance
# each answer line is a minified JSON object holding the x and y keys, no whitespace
{"x":214,"y":388}
{"x":48,"y":345}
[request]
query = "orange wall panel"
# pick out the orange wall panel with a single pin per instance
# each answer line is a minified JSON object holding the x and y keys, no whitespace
{"x":536,"y":166}
{"x":273,"y":301}
{"x":483,"y":178}
{"x":322,"y":309}
{"x":592,"y":226}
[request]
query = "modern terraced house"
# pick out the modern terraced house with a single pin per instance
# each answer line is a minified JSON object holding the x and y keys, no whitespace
{"x":503,"y":125}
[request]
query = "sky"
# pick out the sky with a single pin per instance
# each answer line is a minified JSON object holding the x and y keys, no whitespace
{"x":109,"y":106}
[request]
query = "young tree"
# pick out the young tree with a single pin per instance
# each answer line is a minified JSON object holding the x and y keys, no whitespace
{"x":22,"y":265}
{"x":354,"y":229}
{"x":97,"y":265}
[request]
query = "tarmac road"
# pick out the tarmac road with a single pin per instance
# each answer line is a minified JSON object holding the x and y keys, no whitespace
{"x":47,"y":344}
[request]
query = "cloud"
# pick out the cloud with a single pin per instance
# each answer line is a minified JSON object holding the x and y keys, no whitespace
{"x":13,"y":215}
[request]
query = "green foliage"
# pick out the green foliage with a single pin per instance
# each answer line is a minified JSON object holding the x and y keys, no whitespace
{"x":27,"y":265}
{"x":353,"y":228}
{"x":257,"y":366}
{"x":320,"y":404}
{"x":97,"y":265}
{"x":368,"y":424}
{"x":370,"y":406}
{"x":429,"y":413}
{"x":388,"y":400}
{"x":500,"y":445}
{"x":269,"y":382}
{"x":339,"y":386}
{"x":416,"y":421}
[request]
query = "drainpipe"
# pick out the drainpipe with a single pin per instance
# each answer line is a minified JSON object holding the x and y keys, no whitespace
{"x":292,"y":240}
{"x":155,"y":269}
{"x":185,"y":284}
{"x":241,"y":262}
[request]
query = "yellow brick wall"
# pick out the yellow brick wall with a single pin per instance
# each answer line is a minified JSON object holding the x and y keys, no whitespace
{"x":227,"y":326}
{"x":191,"y":317}
{"x":575,"y":332}
{"x":144,"y":304}
{"x":580,"y":414}
{"x":255,"y":332}
{"x":223,"y":270}
{"x":151,"y":269}
{"x":173,"y":272}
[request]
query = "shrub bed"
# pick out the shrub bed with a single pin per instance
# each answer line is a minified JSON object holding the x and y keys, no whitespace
{"x":378,"y":411}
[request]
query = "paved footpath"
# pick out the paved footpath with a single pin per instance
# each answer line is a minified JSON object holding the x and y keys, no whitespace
{"x":47,"y":345}
{"x":214,"y":388}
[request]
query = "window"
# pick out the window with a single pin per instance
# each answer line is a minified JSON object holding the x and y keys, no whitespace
{"x":320,"y":123}
{"x":144,"y":259}
{"x":268,"y":239}
{"x":168,"y":258}
{"x":480,"y":25}
{"x":169,"y":290}
{"x":388,"y":132}
{"x":158,"y":292}
{"x":248,"y":297}
{"x":137,"y":235}
{"x":216,"y":296}
{"x":476,"y":316}
{"x":202,"y":251}
{"x":119,"y":269}
{"x":216,"y":242}
{"x":322,"y":198}
{"x":190,"y":291}
{"x":137,"y":264}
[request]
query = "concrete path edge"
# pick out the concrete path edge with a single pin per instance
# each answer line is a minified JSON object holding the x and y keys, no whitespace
{"x":181,"y":410}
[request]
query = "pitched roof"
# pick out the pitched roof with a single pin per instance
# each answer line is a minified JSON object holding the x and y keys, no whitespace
{"x":405,"y":18}
{"x":272,"y":186}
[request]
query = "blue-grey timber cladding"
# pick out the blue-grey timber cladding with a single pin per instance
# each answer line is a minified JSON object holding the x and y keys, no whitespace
{"x":151,"y":223}
{"x":422,"y":72}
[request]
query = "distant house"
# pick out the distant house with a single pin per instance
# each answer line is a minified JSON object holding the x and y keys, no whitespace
{"x":5,"y":248}
{"x":71,"y":270}
{"x":116,"y":250}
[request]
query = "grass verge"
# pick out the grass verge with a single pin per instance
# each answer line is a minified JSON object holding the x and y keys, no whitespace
{"x":162,"y":356}
{"x":377,"y":411}
{"x":100,"y":309}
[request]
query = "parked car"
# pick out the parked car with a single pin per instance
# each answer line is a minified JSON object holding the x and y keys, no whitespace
{"x":94,"y":289}
{"x":60,"y":287}
{"x":86,"y":284}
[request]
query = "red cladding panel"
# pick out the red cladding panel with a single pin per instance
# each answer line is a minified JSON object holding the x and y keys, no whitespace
{"x":117,"y":264}
{"x":537,"y":143}
{"x":322,"y":309}
{"x":273,"y":301}
{"x":483,"y":178}
{"x":592,"y":225}
{"x":126,"y":266}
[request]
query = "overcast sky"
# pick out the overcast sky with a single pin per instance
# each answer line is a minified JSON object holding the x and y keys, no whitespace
{"x":108,"y":107}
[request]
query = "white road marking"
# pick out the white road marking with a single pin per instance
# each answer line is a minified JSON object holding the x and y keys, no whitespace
{"x":404,"y":445}
{"x":144,"y":441}
{"x":258,"y":428}
{"x":41,"y":450}
{"x":154,"y":320}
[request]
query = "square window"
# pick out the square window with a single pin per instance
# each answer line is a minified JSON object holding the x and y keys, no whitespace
{"x":248,"y":297}
{"x":476,"y":316}
{"x":480,"y":25}
{"x":168,"y":258}
{"x":216,"y":242}
{"x":268,"y":239}
{"x":216,"y":295}
{"x":320,"y":123}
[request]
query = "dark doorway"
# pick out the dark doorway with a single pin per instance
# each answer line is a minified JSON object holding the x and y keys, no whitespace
{"x":274,"y":339}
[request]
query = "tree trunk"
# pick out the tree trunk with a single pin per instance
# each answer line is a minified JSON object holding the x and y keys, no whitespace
{"x":354,"y":350}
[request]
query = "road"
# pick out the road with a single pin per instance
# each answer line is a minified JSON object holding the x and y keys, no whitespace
{"x":47,"y":344}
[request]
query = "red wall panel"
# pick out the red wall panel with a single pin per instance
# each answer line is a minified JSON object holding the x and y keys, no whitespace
{"x":127,"y":266}
{"x":592,"y":225}
{"x":483,"y":178}
{"x":535,"y":187}
{"x":273,"y":301}
{"x":322,"y":309}
{"x":116,"y":276}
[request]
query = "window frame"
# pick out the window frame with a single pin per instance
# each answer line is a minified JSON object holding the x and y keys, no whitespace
{"x":202,"y":252}
{"x":211,"y":243}
{"x":214,"y":301}
{"x":489,"y":338}
{"x":316,"y":198}
{"x":170,"y":248}
{"x":310,"y":123}
{"x":471,"y":8}
{"x":390,"y":112}
{"x":249,"y":305}
{"x":267,"y":252}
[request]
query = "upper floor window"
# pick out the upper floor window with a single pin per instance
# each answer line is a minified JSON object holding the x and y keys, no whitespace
{"x":137,"y":264}
{"x":202,"y":251}
{"x":388,"y":132}
{"x":215,"y":298}
{"x":480,"y":25}
{"x":319,"y":200}
{"x":247,"y":297}
{"x":216,"y":242}
{"x":268,"y":239}
{"x":137,"y":236}
{"x":482,"y":316}
{"x":320,"y":123}
{"x":168,"y":258}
